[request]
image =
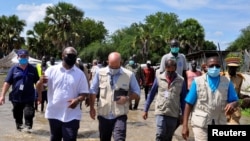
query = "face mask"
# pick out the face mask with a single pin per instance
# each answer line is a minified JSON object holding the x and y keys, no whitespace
{"x":70,"y":60}
{"x":213,"y":72}
{"x":131,"y":62}
{"x":114,"y":71}
{"x":170,"y":74}
{"x":175,"y":49}
{"x":23,"y":61}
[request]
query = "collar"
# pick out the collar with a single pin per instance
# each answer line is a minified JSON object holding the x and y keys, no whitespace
{"x":173,"y":57}
{"x":62,"y":68}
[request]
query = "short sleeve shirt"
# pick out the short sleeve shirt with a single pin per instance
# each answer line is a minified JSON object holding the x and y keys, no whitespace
{"x":23,"y":83}
{"x":180,"y":60}
{"x":64,"y":85}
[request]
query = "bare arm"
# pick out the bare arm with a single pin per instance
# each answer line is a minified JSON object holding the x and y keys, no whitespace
{"x":92,"y":98}
{"x":185,"y":130}
{"x":5,"y":88}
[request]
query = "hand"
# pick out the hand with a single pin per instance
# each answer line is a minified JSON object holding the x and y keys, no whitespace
{"x":39,"y":100}
{"x":145,"y":115}
{"x":87,"y":102}
{"x":2,"y":100}
{"x":229,"y":109}
{"x":43,"y":78}
{"x":122,"y":99}
{"x":185,"y":132}
{"x":73,"y":103}
{"x":92,"y":113}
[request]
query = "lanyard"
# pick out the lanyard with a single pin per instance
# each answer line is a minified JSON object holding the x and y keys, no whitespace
{"x":25,"y":72}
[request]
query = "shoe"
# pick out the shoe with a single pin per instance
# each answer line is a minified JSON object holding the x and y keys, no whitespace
{"x":27,"y":129}
{"x":19,"y":127}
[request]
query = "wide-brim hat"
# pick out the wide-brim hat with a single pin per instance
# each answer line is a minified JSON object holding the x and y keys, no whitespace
{"x":233,"y":64}
{"x":233,"y":61}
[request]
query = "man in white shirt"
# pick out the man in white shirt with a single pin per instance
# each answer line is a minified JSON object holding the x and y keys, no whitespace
{"x":67,"y":87}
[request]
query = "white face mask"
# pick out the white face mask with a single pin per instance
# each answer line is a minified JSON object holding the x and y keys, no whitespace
{"x":114,"y":71}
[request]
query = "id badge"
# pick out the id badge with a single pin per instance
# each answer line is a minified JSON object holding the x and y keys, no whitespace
{"x":166,"y":93}
{"x":21,"y":87}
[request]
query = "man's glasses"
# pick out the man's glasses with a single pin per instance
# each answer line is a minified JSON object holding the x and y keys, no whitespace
{"x":214,"y":65}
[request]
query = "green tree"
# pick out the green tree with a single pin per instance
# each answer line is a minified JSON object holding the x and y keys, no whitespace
{"x":62,"y":20}
{"x":209,"y":45}
{"x":191,"y":35}
{"x":11,"y":28}
{"x":37,"y":43}
{"x":242,"y":42}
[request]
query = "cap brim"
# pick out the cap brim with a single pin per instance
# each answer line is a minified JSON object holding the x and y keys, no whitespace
{"x":233,"y":65}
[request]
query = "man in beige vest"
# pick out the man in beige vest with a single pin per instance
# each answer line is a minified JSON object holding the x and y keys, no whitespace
{"x":117,"y":86}
{"x":170,"y":88}
{"x":210,"y":98}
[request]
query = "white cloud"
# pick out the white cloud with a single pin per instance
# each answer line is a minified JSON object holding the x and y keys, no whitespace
{"x":218,"y":33}
{"x":31,"y":13}
{"x":185,"y":4}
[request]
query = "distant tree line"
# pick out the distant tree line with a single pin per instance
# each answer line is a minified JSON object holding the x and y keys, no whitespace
{"x":65,"y":25}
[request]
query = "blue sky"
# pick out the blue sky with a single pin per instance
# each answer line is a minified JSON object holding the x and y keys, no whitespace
{"x":222,"y":20}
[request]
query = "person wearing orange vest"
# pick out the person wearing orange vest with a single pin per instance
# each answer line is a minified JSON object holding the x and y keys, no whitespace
{"x":40,"y":69}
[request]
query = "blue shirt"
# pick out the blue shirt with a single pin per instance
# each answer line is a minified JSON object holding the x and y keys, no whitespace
{"x":133,"y":85}
{"x":191,"y":97}
{"x":17,"y":77}
{"x":154,"y":91}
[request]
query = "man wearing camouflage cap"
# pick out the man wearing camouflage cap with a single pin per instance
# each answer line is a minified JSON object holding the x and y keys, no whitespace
{"x":237,"y":78}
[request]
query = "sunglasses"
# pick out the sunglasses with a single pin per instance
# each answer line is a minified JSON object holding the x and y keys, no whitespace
{"x":214,"y":65}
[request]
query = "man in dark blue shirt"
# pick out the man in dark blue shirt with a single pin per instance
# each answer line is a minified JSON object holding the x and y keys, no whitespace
{"x":22,"y":77}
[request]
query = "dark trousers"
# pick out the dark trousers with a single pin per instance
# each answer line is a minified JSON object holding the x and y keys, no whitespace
{"x":146,"y":90}
{"x":25,"y":110}
{"x":165,"y":127}
{"x":117,"y":126}
{"x":63,"y":130}
{"x":44,"y":100}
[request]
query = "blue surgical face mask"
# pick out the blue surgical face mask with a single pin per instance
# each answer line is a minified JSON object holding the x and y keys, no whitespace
{"x":175,"y":49}
{"x":23,"y":61}
{"x":114,"y":71}
{"x":131,"y":62}
{"x":213,"y":72}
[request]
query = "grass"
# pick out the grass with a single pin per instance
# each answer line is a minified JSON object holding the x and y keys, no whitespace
{"x":246,"y":112}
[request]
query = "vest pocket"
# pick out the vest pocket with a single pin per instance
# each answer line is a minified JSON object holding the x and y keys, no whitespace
{"x":103,"y":90}
{"x":199,"y":119}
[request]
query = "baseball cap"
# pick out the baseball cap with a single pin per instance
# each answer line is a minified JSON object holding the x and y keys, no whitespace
{"x":78,"y":59}
{"x":22,"y":52}
{"x":148,"y":62}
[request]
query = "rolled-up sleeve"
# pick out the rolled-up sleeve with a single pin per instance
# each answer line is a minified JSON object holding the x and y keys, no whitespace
{"x":134,"y":86}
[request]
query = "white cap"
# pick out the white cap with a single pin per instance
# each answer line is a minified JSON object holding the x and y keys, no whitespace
{"x":148,"y":62}
{"x":78,"y":59}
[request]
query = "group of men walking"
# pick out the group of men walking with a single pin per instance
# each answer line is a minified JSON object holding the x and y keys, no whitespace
{"x":179,"y":93}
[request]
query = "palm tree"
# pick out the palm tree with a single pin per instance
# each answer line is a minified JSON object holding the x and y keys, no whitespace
{"x":11,"y":28}
{"x":61,"y":20}
{"x":37,"y":42}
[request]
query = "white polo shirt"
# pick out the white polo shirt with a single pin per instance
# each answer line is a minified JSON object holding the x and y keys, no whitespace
{"x":64,"y":85}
